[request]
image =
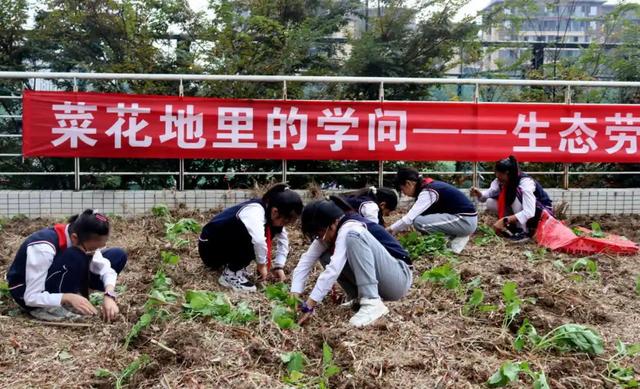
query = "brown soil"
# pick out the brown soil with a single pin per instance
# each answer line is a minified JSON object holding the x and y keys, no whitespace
{"x":425,"y":342}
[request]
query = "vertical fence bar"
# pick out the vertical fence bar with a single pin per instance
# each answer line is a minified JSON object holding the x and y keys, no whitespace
{"x":181,"y":160}
{"x":565,"y":167}
{"x":284,"y":161}
{"x":474,"y":177}
{"x":381,"y":162}
{"x":76,"y":160}
{"x":476,"y":93}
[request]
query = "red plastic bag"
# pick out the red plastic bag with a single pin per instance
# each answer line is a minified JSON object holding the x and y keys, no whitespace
{"x":553,"y":234}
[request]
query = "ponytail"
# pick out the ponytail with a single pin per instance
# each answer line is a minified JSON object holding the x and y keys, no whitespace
{"x":88,"y":224}
{"x":409,"y":174}
{"x":286,"y":201}
{"x":511,"y":167}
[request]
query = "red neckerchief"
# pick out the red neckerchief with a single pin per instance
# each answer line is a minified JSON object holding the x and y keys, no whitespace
{"x":61,"y":231}
{"x":502,"y":199}
{"x":427,"y":181}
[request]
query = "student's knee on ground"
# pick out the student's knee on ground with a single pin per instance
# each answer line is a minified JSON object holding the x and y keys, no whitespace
{"x":118,"y":258}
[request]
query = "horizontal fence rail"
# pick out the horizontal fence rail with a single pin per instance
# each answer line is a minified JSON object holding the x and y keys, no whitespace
{"x":181,"y":172}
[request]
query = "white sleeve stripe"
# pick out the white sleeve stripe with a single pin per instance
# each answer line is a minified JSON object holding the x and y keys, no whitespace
{"x":434,"y":192}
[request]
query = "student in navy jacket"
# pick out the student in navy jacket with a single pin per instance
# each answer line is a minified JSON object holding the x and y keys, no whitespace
{"x":516,"y":198}
{"x":439,"y":207}
{"x":243,"y":233}
{"x":360,"y":255}
{"x":373,"y":203}
{"x":55,"y":267}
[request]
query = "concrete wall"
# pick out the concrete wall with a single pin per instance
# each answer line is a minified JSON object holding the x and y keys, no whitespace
{"x":126,"y":203}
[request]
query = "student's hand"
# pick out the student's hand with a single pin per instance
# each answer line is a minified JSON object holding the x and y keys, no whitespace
{"x":475,"y":192}
{"x":79,"y":303}
{"x":499,"y":226}
{"x":278,"y":275}
{"x":263,"y":273}
{"x":309,"y":304}
{"x":110,"y":309}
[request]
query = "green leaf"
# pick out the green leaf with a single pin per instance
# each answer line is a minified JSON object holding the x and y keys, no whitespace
{"x":96,"y":298}
{"x":596,"y":230}
{"x":284,"y":317}
{"x":169,"y":257}
{"x":475,"y":300}
{"x":327,"y":354}
{"x":638,"y":285}
{"x":294,"y":360}
{"x":509,"y":291}
{"x":293,"y":378}
{"x":540,"y":381}
{"x":573,"y":337}
{"x":444,"y":275}
{"x":142,"y":323}
{"x":160,"y":210}
{"x":506,"y":374}
{"x":102,"y":373}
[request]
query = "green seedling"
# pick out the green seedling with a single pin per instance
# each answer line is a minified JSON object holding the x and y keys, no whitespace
{"x":638,"y":285}
{"x":4,"y":291}
{"x":284,"y":316}
{"x":216,"y":305}
{"x":123,"y":376}
{"x":169,"y":257}
{"x":419,"y":245}
{"x":161,"y":210}
{"x":596,"y":230}
{"x":280,"y":292}
{"x":488,"y":236}
{"x":174,"y":231}
{"x":535,"y":255}
{"x":296,"y":361}
{"x":444,"y":275}
{"x":616,"y":373}
{"x":509,"y":372}
{"x":512,"y":302}
{"x":565,"y":338}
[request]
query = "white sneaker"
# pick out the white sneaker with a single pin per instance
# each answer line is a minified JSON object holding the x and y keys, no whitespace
{"x":458,"y":243}
{"x":54,"y":314}
{"x":370,"y":311}
{"x":236,"y":281}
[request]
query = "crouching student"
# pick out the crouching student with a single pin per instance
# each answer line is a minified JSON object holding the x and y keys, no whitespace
{"x":439,"y":207}
{"x":373,"y":203}
{"x":362,"y":256}
{"x":243,"y":233}
{"x":516,"y":198}
{"x":55,"y":267}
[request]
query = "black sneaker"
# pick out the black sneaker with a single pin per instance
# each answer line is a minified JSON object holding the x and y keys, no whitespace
{"x":518,"y":237}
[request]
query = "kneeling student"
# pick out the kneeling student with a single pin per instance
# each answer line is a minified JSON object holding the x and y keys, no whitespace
{"x":243,"y":233}
{"x":55,"y":267}
{"x":362,"y":256}
{"x":373,"y":203}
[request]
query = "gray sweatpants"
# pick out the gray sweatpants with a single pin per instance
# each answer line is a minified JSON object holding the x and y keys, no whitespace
{"x":371,"y":272}
{"x":450,"y":224}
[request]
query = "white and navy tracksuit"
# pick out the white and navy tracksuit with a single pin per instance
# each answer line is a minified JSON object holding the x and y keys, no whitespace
{"x":366,"y":207}
{"x":46,"y":266}
{"x":440,"y":207}
{"x":365,"y":260}
{"x":238,"y":235}
{"x":531,"y":199}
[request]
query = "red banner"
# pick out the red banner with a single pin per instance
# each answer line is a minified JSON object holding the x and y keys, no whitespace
{"x":61,"y":124}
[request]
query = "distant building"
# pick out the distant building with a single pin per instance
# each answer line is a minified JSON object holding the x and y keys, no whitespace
{"x":565,"y":21}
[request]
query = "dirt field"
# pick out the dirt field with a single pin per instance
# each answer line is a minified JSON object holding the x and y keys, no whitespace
{"x":425,"y":342}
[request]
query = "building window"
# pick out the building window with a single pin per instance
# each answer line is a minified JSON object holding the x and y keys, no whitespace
{"x":576,"y":39}
{"x":593,"y":25}
{"x":593,"y":11}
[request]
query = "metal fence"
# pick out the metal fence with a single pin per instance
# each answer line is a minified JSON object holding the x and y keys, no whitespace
{"x":38,"y":78}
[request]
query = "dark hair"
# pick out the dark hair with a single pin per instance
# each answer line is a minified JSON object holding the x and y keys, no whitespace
{"x":88,"y":224}
{"x":409,"y":174}
{"x":288,"y":202}
{"x":512,"y":169}
{"x":318,"y":215}
{"x":379,"y":195}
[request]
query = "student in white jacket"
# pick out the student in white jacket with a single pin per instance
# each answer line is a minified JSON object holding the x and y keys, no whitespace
{"x":55,"y":268}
